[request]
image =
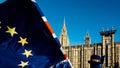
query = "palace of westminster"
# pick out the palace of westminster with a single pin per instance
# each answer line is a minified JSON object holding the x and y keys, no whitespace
{"x":79,"y":55}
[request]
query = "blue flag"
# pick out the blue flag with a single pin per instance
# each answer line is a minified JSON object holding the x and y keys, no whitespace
{"x":64,"y":64}
{"x":26,"y":39}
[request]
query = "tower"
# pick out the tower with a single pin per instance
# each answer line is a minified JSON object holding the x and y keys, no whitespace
{"x":87,"y":39}
{"x":64,"y":40}
{"x":108,"y":46}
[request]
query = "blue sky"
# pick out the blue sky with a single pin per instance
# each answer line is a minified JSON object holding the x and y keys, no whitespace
{"x":82,"y":16}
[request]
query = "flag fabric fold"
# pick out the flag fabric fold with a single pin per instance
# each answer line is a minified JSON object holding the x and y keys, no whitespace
{"x":62,"y":64}
{"x":26,"y":39}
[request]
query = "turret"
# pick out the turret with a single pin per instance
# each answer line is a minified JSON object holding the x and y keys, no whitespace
{"x":87,"y":40}
{"x":108,"y":39}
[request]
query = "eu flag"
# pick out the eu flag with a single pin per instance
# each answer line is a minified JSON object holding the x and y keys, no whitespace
{"x":26,"y":39}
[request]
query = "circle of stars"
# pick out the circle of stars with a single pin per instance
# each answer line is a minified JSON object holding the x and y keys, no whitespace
{"x":23,"y":41}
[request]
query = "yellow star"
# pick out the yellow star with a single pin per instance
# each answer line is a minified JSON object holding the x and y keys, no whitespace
{"x":27,"y":53}
{"x":23,"y":41}
{"x":11,"y":31}
{"x":23,"y":64}
{"x":0,"y":26}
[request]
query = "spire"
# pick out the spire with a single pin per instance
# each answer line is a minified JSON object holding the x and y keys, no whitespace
{"x":64,"y":30}
{"x":64,"y":37}
{"x":87,"y":34}
{"x":64,"y":23}
{"x":87,"y":39}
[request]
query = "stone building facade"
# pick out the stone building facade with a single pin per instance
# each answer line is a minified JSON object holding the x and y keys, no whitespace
{"x":79,"y":55}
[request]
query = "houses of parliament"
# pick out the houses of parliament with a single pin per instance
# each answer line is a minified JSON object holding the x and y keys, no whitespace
{"x":79,"y":55}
